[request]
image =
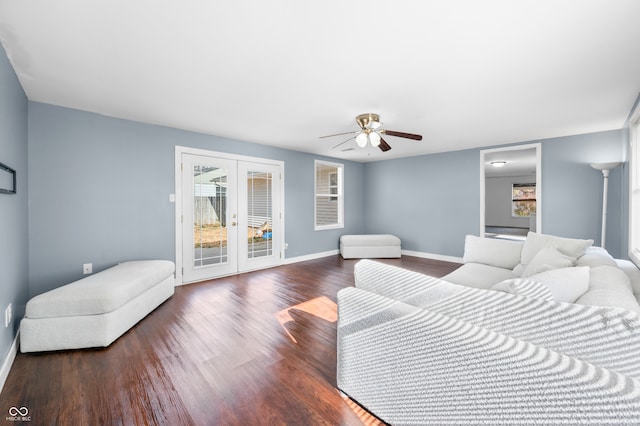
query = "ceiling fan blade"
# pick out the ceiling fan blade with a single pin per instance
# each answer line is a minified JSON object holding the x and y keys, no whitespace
{"x":339,"y":134}
{"x":384,"y":146}
{"x":402,"y":135}
{"x":342,"y":143}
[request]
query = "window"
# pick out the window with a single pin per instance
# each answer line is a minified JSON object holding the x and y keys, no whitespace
{"x":329,"y":200}
{"x":634,"y":187}
{"x":523,"y":199}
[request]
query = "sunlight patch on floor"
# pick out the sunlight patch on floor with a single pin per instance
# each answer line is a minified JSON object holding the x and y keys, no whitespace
{"x":364,"y":416}
{"x":321,"y":307}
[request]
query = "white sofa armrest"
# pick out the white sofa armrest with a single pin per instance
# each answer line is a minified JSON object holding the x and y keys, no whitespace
{"x":632,"y":272}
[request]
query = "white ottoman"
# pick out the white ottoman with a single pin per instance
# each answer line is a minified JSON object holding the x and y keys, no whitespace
{"x":95,"y":311}
{"x":369,"y":246}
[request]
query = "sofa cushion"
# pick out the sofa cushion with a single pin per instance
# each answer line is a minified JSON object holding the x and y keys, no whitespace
{"x":546,"y":260}
{"x":493,"y":252}
{"x":102,"y":292}
{"x":478,"y":275}
{"x":535,"y":242}
{"x":609,"y":278}
{"x":566,"y":284}
{"x":609,"y":286}
{"x":595,"y":256}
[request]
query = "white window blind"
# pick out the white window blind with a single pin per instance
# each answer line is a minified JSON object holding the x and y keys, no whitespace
{"x":329,"y":195}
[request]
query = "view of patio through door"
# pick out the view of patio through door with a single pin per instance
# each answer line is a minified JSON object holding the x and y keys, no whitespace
{"x":230,"y":216}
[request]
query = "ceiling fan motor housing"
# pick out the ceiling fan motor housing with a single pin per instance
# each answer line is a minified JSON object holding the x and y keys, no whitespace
{"x":364,"y":120}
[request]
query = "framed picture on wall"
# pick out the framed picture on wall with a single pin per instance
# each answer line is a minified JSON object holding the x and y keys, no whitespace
{"x":7,"y":180}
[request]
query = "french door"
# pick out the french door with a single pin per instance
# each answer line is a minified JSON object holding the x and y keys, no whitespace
{"x":231,"y":219}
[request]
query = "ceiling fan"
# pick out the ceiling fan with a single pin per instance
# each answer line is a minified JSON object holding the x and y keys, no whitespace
{"x":371,"y":133}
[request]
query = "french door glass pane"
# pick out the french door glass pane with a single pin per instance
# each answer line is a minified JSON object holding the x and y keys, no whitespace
{"x":259,"y":214}
{"x":209,"y":215}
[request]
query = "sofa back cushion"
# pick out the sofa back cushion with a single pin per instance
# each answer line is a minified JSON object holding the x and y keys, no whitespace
{"x":546,"y":260}
{"x":492,"y":251}
{"x":596,"y":256}
{"x":535,"y":242}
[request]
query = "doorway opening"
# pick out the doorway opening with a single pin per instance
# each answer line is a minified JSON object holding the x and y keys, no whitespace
{"x":510,"y":191}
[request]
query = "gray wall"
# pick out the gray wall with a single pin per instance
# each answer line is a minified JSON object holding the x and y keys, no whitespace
{"x":96,"y":179}
{"x":572,"y":190}
{"x":431,"y":202}
{"x":13,"y":208}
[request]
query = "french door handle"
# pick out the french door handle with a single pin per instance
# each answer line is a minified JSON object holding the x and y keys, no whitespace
{"x":233,"y":224}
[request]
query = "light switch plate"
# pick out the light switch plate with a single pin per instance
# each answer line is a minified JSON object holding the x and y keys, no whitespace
{"x":8,"y":315}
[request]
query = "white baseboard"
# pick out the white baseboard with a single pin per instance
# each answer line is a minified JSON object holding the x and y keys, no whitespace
{"x":423,"y":255}
{"x":8,"y":362}
{"x":313,"y":256}
{"x":432,"y":256}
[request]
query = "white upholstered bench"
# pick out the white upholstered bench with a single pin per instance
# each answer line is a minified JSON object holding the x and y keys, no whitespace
{"x":369,"y":246}
{"x":96,"y":310}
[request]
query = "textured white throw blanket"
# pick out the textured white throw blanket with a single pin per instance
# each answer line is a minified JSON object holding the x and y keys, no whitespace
{"x":417,"y":350}
{"x":607,"y":336}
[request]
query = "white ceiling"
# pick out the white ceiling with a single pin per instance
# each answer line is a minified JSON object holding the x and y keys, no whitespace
{"x":519,"y":162}
{"x":463,"y":73}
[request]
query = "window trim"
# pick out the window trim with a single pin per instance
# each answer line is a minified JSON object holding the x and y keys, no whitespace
{"x":339,"y":197}
{"x":634,"y":186}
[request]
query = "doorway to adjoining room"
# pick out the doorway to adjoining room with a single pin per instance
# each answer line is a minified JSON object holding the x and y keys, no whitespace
{"x":510,"y":192}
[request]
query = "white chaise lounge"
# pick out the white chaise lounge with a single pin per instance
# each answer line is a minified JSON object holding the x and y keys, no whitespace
{"x":369,"y":246}
{"x":95,"y":311}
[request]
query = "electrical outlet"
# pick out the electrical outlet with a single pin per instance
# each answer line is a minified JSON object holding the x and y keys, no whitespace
{"x":8,"y":316}
{"x":87,"y":268}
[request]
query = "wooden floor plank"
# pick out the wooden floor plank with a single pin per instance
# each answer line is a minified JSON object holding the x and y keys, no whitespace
{"x":254,"y":348}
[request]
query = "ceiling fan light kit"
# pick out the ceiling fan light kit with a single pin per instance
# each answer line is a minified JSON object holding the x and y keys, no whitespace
{"x":362,"y":140}
{"x":371,"y":133}
{"x":374,"y":138}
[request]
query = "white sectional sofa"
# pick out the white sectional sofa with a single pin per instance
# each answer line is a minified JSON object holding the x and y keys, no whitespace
{"x":569,"y":266}
{"x":555,"y":342}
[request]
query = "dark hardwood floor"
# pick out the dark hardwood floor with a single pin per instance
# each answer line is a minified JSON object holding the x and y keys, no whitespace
{"x":251,"y":349}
